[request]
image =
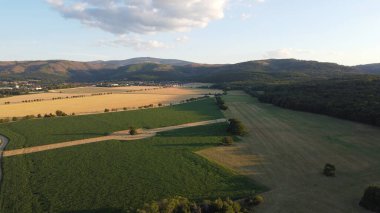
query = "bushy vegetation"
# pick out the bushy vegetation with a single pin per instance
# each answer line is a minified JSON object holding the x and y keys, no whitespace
{"x":356,"y":99}
{"x":60,"y":113}
{"x":132,"y":130}
{"x":329,"y":170}
{"x":220,"y":102}
{"x":227,"y":141}
{"x":181,"y":204}
{"x":119,"y":175}
{"x":26,"y":133}
{"x":236,"y":127}
{"x":371,"y":199}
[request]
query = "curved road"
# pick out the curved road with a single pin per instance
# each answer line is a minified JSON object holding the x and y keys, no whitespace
{"x":3,"y":144}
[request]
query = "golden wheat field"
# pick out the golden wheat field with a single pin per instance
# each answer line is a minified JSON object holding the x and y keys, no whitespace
{"x":86,"y":103}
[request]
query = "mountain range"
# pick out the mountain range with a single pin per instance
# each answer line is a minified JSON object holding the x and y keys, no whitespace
{"x":146,"y":68}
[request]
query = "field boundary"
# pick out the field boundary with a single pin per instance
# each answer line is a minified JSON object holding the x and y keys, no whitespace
{"x":120,"y":135}
{"x":3,"y":144}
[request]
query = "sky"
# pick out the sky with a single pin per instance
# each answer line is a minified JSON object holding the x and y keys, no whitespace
{"x":204,"y":31}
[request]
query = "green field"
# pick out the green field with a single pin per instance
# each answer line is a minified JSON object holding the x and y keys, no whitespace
{"x":116,"y":176}
{"x":286,"y":150}
{"x":53,"y":130}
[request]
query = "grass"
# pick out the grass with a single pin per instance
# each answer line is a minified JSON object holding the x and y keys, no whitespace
{"x":29,"y":133}
{"x":286,"y":151}
{"x":343,"y":134}
{"x":116,"y":176}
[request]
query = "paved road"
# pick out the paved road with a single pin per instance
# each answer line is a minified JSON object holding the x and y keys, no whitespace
{"x":121,"y":135}
{"x":3,"y":144}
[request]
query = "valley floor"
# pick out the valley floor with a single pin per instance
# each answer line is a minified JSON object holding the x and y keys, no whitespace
{"x":117,"y":176}
{"x":287,"y":150}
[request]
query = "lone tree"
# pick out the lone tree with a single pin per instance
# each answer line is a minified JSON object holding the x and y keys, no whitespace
{"x":132,"y":130}
{"x":329,"y":170}
{"x":236,"y":127}
{"x":371,"y":199}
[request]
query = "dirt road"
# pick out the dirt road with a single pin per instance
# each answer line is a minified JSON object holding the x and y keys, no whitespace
{"x":121,"y":135}
{"x":286,"y":151}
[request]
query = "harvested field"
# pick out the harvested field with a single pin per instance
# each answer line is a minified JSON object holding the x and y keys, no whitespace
{"x":287,"y":150}
{"x":178,"y":91}
{"x":63,"y":93}
{"x":92,"y":89}
{"x":94,"y":104}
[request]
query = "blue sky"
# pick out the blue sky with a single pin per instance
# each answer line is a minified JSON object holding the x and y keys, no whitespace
{"x":204,"y":31}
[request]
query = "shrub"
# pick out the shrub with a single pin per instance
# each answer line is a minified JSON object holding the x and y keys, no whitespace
{"x":106,"y":110}
{"x":227,"y":141}
{"x":329,"y":170}
{"x":39,"y":116}
{"x":220,"y":103}
{"x":28,"y":117}
{"x":371,"y":199}
{"x":223,"y":107}
{"x":14,"y":119}
{"x":132,"y":131}
{"x":4,"y":120}
{"x":236,"y":127}
{"x":60,"y":113}
{"x":49,"y":115}
{"x":257,"y":200}
{"x":183,"y":205}
{"x":219,"y":100}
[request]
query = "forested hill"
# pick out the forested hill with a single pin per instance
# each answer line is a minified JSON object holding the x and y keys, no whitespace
{"x":369,"y":68}
{"x":356,"y":99}
{"x":252,"y":72}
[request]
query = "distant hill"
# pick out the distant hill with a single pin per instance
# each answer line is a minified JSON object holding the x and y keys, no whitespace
{"x":46,"y":70}
{"x":142,"y":60}
{"x":369,"y":68}
{"x":252,"y":72}
{"x":261,"y":71}
{"x":64,"y":70}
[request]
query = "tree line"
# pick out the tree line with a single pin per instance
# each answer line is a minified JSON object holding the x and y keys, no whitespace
{"x":351,"y":99}
{"x":180,"y":204}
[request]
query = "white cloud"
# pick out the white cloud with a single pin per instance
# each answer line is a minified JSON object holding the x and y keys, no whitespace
{"x":134,"y":42}
{"x":182,"y":39}
{"x":286,"y":53}
{"x":142,"y":16}
{"x":56,"y":3}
